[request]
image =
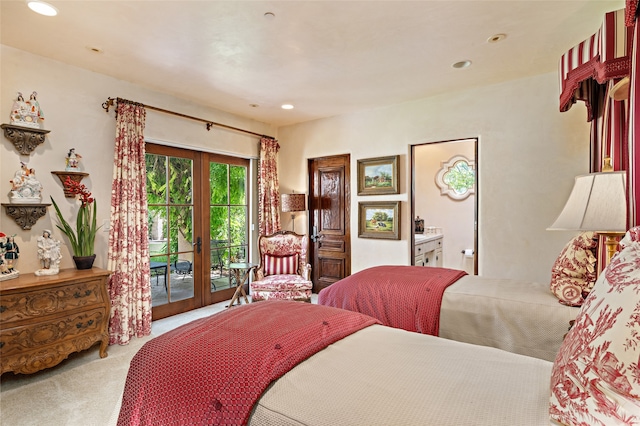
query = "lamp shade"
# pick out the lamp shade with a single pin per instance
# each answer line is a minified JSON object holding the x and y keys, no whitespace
{"x":597,"y":202}
{"x":293,"y":202}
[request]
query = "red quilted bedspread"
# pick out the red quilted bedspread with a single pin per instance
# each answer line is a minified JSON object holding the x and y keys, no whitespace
{"x":212,"y":371}
{"x":406,"y":297}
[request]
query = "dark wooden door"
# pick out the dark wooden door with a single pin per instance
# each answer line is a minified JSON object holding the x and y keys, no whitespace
{"x":329,"y":219}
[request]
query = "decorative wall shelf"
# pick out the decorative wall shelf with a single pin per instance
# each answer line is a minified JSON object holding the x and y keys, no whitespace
{"x":75,"y":176}
{"x":26,"y":215}
{"x":25,"y":139}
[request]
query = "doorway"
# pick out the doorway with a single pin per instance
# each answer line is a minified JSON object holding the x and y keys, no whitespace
{"x":444,"y":200}
{"x":329,"y":219}
{"x":198,"y":207}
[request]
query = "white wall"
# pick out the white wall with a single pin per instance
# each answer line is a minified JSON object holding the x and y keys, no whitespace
{"x":529,"y":154}
{"x":71,"y":100}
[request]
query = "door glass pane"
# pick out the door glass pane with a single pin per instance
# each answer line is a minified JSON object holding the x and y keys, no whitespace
{"x":219,"y":232}
{"x":181,"y":244}
{"x":238,"y":185}
{"x":238,"y":221}
{"x":219,"y":183}
{"x":228,"y":221}
{"x":170,"y":207}
{"x":180,"y":181}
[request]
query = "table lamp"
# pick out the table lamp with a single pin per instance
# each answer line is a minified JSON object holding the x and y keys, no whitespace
{"x":597,"y":203}
{"x":292,"y":203}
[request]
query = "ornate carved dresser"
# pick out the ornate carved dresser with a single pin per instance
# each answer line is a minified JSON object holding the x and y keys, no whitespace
{"x":43,"y":319}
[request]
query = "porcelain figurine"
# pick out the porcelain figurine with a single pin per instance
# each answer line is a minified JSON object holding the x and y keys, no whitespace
{"x":26,"y":114}
{"x":73,"y":160}
{"x":48,"y":254}
{"x":9,"y":252}
{"x":25,"y":188}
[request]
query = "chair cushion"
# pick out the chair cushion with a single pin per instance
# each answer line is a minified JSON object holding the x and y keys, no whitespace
{"x":301,"y":295}
{"x":279,"y":265}
{"x":289,"y":282}
{"x":595,"y":378}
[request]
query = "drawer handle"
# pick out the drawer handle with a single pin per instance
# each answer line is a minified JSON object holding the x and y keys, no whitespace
{"x":78,"y":295}
{"x":2,"y":309}
{"x":80,"y":325}
{"x":1,"y":345}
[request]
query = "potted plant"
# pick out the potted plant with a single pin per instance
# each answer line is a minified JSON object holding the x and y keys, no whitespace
{"x":82,"y":238}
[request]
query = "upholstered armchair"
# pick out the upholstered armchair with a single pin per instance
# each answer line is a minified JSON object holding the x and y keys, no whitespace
{"x":283,"y":272}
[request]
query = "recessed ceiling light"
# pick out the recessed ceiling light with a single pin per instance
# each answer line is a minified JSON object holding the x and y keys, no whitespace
{"x":269,"y":15}
{"x":42,"y":8}
{"x":462,"y":64}
{"x":94,"y":49}
{"x":496,"y":38}
{"x":287,"y":106}
{"x":254,"y":105}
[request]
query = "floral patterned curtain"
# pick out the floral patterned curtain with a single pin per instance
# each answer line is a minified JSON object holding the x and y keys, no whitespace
{"x":128,"y":256}
{"x":268,"y":187}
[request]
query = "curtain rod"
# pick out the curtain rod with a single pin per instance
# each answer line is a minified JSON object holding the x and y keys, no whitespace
{"x":111,"y":102}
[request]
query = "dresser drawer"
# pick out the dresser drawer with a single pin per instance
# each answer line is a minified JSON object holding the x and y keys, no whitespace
{"x":37,"y":303}
{"x":29,"y":337}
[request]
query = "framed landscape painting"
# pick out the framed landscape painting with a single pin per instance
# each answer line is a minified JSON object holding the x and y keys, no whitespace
{"x":378,"y":176}
{"x":379,"y":220}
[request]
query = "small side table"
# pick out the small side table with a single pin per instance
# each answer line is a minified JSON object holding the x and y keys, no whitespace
{"x":241,"y":272}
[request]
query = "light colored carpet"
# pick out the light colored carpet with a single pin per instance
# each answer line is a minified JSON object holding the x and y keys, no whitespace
{"x":83,"y":390}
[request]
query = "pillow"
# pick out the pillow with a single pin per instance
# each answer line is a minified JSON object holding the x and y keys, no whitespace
{"x":596,"y":375}
{"x":574,"y":271}
{"x":278,"y":265}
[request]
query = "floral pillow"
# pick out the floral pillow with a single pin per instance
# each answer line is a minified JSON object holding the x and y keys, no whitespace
{"x":596,"y":375}
{"x":279,"y":265}
{"x":574,"y":271}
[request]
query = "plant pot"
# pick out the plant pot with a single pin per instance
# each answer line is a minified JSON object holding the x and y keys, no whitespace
{"x":84,"y":262}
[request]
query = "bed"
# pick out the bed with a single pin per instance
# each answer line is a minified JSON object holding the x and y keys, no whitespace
{"x":202,"y":373}
{"x":286,"y":363}
{"x":516,"y":316}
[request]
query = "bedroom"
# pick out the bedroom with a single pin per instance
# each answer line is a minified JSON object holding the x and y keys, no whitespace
{"x":514,"y":242}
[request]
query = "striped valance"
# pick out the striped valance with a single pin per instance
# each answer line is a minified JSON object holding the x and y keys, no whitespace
{"x":603,"y":56}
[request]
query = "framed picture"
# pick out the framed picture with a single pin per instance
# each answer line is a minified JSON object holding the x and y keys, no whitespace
{"x":378,"y":176}
{"x":379,"y":220}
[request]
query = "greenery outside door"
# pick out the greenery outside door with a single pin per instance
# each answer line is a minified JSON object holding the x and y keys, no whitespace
{"x":198,"y":216}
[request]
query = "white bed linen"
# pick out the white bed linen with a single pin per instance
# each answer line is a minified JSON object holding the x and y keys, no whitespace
{"x":516,"y":316}
{"x":385,"y":376}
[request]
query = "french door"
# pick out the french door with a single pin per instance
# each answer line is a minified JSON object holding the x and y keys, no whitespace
{"x":198,"y":207}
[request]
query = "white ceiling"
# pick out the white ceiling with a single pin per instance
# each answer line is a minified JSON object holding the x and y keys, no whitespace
{"x":324,"y":57}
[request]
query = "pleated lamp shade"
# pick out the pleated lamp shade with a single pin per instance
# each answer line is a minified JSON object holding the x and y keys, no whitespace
{"x":597,"y":203}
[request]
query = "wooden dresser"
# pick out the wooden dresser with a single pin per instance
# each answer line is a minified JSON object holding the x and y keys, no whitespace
{"x":43,"y":319}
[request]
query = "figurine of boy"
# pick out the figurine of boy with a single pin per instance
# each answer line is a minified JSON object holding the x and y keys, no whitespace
{"x":49,"y":254}
{"x":73,"y":160}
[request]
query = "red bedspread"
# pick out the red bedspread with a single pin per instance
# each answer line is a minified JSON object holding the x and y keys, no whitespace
{"x":406,"y":297}
{"x":212,"y":371}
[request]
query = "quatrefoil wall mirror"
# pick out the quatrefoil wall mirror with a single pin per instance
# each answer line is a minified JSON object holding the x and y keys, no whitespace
{"x":457,"y":177}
